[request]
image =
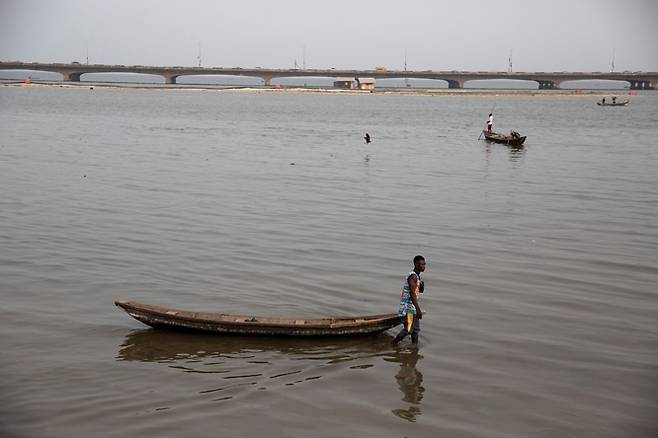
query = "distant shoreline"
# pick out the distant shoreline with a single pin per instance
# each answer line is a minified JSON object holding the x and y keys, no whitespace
{"x":301,"y":90}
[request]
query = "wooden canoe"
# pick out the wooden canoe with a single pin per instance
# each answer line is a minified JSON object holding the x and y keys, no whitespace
{"x":511,"y":140}
{"x":162,"y":317}
{"x":622,"y":103}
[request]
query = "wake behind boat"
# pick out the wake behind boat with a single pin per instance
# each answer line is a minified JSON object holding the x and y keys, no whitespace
{"x":162,"y":317}
{"x":514,"y":139}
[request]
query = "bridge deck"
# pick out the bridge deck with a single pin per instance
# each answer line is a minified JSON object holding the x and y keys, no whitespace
{"x":455,"y":79}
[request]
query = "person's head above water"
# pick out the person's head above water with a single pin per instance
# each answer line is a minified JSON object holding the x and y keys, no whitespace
{"x":419,"y":263}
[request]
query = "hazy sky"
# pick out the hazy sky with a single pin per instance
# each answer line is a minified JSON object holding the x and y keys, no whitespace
{"x":556,"y":35}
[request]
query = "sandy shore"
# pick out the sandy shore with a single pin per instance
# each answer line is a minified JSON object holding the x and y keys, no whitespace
{"x":300,"y":90}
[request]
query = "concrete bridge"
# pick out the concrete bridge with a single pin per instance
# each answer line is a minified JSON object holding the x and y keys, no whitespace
{"x":455,"y":79}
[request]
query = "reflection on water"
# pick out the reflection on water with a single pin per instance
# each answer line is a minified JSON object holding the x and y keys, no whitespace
{"x":515,"y":153}
{"x":242,"y":362}
{"x":165,"y":346}
{"x":260,"y":362}
{"x":410,"y":382}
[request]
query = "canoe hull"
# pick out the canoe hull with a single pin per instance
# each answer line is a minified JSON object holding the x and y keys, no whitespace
{"x":624,"y":103}
{"x":161,"y":317}
{"x":504,"y":139}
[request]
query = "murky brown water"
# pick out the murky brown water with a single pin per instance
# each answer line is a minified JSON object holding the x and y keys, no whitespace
{"x":542,"y":263}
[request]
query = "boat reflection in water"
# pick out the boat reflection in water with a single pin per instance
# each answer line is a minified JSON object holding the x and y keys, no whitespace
{"x":410,"y":382}
{"x":165,"y":346}
{"x":515,"y":154}
{"x":235,"y":364}
{"x":232,"y":364}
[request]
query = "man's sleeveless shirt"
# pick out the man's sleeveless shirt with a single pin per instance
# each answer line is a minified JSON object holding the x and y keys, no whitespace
{"x":406,"y":305}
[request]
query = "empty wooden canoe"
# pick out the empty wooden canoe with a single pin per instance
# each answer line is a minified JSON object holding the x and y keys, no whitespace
{"x":162,"y":317}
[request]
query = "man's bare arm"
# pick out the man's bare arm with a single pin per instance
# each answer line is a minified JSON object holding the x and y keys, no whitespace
{"x":413,"y":287}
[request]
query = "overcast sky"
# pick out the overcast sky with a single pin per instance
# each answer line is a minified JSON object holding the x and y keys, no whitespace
{"x":556,"y":35}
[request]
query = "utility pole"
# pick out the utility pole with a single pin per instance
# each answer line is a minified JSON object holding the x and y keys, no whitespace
{"x":87,"y":50}
{"x":612,"y":67}
{"x":406,"y":79}
{"x":304,"y":58}
{"x":199,"y":55}
{"x":509,"y":62}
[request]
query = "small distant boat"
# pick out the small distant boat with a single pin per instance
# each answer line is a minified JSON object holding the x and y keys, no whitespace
{"x":514,"y":139}
{"x":613,"y":103}
{"x":162,"y":317}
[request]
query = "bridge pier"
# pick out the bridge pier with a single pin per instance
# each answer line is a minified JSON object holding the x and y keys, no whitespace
{"x":547,"y":85}
{"x":642,"y":85}
{"x":170,"y":79}
{"x":267,"y":80}
{"x":71,"y":77}
{"x":454,"y":83}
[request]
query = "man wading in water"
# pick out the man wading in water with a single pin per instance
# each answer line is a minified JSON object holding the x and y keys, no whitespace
{"x":410,"y":311}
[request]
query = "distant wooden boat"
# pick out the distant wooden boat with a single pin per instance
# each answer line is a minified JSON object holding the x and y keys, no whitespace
{"x":514,"y":139}
{"x":162,"y":317}
{"x":622,"y":103}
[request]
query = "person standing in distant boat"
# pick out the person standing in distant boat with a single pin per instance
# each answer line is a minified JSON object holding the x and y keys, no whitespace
{"x":603,"y":101}
{"x":614,"y":100}
{"x":490,"y":122}
{"x":367,"y":138}
{"x":409,"y":309}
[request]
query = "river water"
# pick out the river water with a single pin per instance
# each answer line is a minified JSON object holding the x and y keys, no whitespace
{"x":541,"y":300}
